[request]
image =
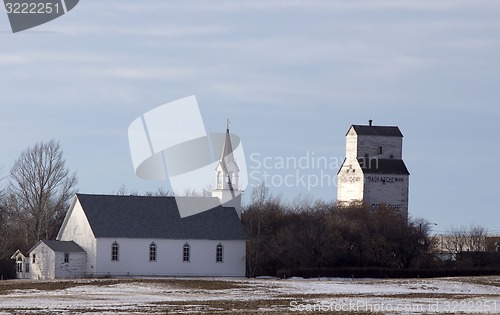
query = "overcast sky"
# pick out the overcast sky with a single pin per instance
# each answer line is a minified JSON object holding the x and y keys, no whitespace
{"x":292,"y":76}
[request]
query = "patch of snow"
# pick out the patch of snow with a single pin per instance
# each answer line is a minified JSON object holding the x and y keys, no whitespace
{"x":265,"y":277}
{"x":390,"y":296}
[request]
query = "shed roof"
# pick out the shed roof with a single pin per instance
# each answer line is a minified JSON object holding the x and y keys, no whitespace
{"x":60,"y":246}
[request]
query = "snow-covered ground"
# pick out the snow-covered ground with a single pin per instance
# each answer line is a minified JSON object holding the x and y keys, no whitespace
{"x":479,"y":295}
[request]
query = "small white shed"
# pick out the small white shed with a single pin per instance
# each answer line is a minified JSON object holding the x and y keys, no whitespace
{"x":56,"y":260}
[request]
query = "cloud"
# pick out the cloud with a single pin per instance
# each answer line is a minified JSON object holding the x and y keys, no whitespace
{"x":266,"y":5}
{"x":165,"y":30}
{"x":143,"y":72}
{"x":12,"y":59}
{"x":472,"y":44}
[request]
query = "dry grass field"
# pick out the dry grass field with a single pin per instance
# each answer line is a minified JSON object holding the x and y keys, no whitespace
{"x":468,"y":295}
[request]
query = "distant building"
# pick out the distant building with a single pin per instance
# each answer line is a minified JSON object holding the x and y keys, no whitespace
{"x":468,"y":250}
{"x":373,"y":171}
{"x":56,"y":259}
{"x":111,"y":235}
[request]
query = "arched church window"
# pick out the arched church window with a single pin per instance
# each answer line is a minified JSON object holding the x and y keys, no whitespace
{"x":152,"y":252}
{"x":219,"y":253}
{"x":114,"y":251}
{"x":186,"y":253}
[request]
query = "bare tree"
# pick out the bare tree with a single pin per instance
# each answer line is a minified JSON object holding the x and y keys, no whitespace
{"x":122,"y":191}
{"x":462,"y":239}
{"x":162,"y":192}
{"x":259,"y":220}
{"x":39,"y":191}
{"x":4,"y":228}
{"x":467,"y":245}
{"x":476,"y":238}
{"x":188,"y":192}
{"x":456,"y":240}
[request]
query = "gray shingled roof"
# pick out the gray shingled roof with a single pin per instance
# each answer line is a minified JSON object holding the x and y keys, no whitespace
{"x":385,"y":131}
{"x":158,"y":217}
{"x":383,"y":166}
{"x":60,"y":246}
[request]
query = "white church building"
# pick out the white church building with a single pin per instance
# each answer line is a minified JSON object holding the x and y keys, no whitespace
{"x":116,"y":235}
{"x":373,"y":171}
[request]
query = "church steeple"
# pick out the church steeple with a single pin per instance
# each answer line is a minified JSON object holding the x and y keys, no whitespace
{"x":227,"y":151}
{"x":227,"y":175}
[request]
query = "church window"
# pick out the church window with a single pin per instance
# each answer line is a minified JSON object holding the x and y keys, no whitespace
{"x":27,"y":267}
{"x":34,"y":258}
{"x":66,"y":257}
{"x":219,"y":180}
{"x":219,"y":253}
{"x":114,"y":251}
{"x":186,"y":253}
{"x":379,"y":150}
{"x":233,"y":180}
{"x":152,"y":252}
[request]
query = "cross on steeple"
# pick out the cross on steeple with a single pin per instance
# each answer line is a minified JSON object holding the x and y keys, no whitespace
{"x":227,"y":124}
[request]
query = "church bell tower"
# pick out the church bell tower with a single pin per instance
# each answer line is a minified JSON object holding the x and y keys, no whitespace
{"x":227,"y":177}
